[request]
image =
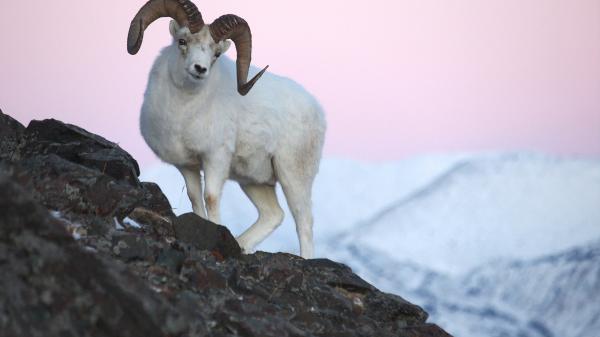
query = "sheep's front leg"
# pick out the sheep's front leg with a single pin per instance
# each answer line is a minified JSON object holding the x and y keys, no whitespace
{"x":216,"y":172}
{"x":193,"y":184}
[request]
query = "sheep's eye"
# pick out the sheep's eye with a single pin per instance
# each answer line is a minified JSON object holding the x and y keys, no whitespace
{"x":217,"y":54}
{"x":182,"y":42}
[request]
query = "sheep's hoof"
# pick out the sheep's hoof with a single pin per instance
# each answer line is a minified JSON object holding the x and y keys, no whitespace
{"x":245,"y":249}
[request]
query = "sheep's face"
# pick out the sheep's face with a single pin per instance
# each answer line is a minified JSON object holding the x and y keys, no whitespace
{"x":197,"y":52}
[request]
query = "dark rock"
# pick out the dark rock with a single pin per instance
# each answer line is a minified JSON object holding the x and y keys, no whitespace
{"x":394,"y":308}
{"x":205,"y":235}
{"x":97,"y":226}
{"x":75,"y":171}
{"x":50,"y":287}
{"x":110,"y":162}
{"x":429,"y":330}
{"x":11,"y":132}
{"x":199,"y":276}
{"x":80,"y":147}
{"x":131,"y":246}
{"x":172,"y":259}
{"x":155,"y":200}
{"x":65,"y":186}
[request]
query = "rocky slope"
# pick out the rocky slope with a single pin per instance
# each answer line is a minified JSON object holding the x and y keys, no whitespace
{"x":86,"y":249}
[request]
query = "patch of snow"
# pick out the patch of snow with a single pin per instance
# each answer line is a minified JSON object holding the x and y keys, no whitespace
{"x":118,"y":225}
{"x":130,"y":222}
{"x":90,"y":249}
{"x":74,"y":228}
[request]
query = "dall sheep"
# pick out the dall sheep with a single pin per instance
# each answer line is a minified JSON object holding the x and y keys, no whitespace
{"x":193,"y":118}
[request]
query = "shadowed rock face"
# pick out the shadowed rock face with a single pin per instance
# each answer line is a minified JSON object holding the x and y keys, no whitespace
{"x":11,"y":132}
{"x":88,"y":250}
{"x":72,"y":170}
{"x":50,"y":286}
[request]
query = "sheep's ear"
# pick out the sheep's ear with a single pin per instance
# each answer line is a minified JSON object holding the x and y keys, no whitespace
{"x":224,"y":46}
{"x":174,"y":28}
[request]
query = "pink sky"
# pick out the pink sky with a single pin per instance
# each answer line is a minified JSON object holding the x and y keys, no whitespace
{"x":397,"y":78}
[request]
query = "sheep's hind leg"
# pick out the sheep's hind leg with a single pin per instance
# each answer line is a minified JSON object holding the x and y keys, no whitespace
{"x":297,"y":189}
{"x":270,"y":215}
{"x":193,"y":185}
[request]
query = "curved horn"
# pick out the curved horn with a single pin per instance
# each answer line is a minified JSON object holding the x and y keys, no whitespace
{"x":235,"y":28}
{"x":183,"y":11}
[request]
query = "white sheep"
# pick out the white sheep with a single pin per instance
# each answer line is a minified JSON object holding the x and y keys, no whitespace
{"x":192,"y":117}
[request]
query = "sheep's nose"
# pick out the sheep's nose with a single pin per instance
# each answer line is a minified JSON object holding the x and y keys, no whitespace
{"x":200,"y":69}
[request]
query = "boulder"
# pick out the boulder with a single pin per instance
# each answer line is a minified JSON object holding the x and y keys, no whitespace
{"x":74,"y":171}
{"x":80,"y":147}
{"x":204,"y":235}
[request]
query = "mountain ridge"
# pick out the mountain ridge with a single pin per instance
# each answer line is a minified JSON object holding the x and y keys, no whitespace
{"x":475,"y":296}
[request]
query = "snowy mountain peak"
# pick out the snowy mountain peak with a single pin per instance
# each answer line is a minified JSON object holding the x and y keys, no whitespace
{"x":486,"y":208}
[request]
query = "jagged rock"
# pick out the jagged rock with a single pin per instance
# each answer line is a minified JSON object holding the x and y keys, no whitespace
{"x":75,"y":171}
{"x":162,"y":276}
{"x":11,"y":132}
{"x":65,"y":186}
{"x":80,"y":147}
{"x":131,"y":246}
{"x":204,"y":235}
{"x":155,"y":200}
{"x":171,"y":259}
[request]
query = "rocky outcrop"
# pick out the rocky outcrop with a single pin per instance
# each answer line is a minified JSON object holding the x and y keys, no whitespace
{"x":86,"y":249}
{"x":11,"y":133}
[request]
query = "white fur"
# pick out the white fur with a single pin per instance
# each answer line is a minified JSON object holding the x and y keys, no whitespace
{"x":273,"y":134}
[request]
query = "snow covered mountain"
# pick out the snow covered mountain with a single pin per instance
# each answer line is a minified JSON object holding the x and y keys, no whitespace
{"x":556,"y":295}
{"x":485,"y":208}
{"x":490,"y":245}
